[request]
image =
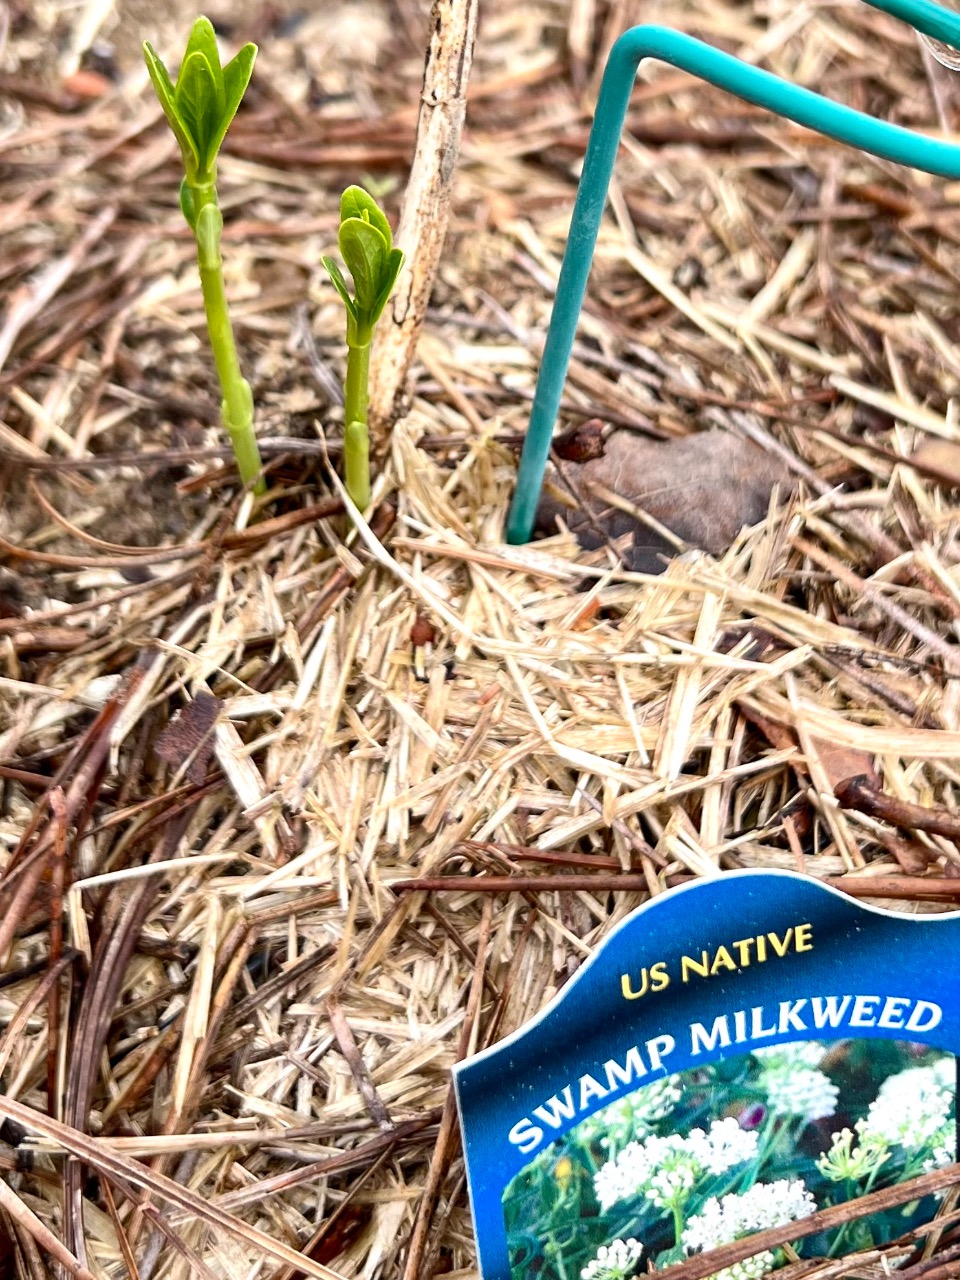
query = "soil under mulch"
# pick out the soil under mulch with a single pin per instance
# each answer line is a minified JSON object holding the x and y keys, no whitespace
{"x":240,"y":749}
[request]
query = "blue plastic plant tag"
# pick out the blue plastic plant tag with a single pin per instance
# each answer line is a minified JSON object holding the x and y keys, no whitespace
{"x":740,"y":1052}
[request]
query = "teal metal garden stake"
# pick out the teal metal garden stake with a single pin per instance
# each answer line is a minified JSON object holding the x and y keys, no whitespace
{"x":889,"y":141}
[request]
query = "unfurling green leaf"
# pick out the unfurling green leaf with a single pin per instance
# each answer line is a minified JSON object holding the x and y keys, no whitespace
{"x":357,"y":203}
{"x":203,"y":41}
{"x":200,"y":107}
{"x":167,"y":95}
{"x":197,"y":105}
{"x":366,"y":244}
{"x":336,"y":275}
{"x":366,"y":254}
{"x":387,"y":280}
{"x":236,"y":77}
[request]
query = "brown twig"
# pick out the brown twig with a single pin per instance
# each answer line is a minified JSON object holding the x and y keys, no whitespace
{"x":329,"y":1225}
{"x":132,"y":558}
{"x":347,"y":1044}
{"x":599,"y":883}
{"x":129,"y":1261}
{"x":32,"y":1002}
{"x":902,"y":887}
{"x":196,"y":1265}
{"x":865,"y":886}
{"x":359,"y":1158}
{"x":58,"y":809}
{"x":943,"y":1267}
{"x":448,"y":1136}
{"x":856,"y":793}
{"x":552,"y":857}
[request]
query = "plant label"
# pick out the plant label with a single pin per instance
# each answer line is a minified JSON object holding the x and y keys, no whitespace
{"x":740,"y":1053}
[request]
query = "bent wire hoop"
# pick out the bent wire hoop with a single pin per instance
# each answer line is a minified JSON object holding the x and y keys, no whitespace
{"x":891,"y":142}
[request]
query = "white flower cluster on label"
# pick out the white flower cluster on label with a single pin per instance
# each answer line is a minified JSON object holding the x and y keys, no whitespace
{"x":911,"y":1107}
{"x":762,"y":1205}
{"x":911,"y":1111}
{"x":793,"y":1083}
{"x":634,"y":1115}
{"x":663,"y":1169}
{"x":614,"y":1261}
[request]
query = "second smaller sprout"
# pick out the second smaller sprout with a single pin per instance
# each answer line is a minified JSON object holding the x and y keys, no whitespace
{"x":366,"y":246}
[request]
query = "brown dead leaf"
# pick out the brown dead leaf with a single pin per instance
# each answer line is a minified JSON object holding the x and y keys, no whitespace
{"x":189,"y":736}
{"x":842,"y":763}
{"x":581,"y":443}
{"x":939,"y":458}
{"x":702,"y":489}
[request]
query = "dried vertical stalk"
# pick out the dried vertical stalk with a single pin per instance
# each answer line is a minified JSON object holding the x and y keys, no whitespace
{"x":426,"y":205}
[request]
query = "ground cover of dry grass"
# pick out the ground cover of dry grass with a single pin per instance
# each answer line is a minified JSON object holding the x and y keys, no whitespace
{"x":240,"y":751}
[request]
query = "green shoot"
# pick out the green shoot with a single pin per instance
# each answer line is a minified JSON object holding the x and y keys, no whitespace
{"x":366,"y":246}
{"x":199,"y":109}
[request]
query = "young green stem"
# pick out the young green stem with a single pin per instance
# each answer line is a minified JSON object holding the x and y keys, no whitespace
{"x":356,"y":438}
{"x":236,"y":408}
{"x":677,"y":1211}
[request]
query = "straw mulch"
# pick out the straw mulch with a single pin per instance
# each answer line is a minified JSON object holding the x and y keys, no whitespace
{"x":240,"y":752}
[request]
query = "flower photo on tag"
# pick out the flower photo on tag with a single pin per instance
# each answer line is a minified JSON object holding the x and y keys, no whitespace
{"x":752,"y":1057}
